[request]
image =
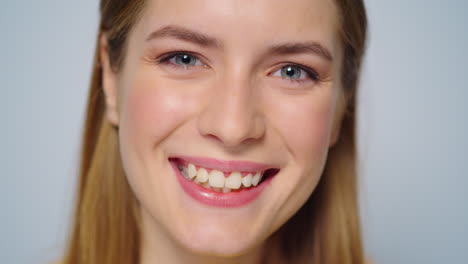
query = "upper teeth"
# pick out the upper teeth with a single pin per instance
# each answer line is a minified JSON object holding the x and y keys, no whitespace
{"x":216,"y":180}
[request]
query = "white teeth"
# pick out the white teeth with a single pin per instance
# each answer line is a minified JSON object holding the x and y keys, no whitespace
{"x":247,"y":180}
{"x":202,"y":175}
{"x":216,"y":179}
{"x":183,"y":170}
{"x":234,"y":180}
{"x":256,"y":179}
{"x":192,"y":171}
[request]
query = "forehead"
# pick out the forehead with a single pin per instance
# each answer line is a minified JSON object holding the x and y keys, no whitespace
{"x":258,"y":21}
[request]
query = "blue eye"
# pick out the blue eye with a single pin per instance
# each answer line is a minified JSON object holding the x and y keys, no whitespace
{"x":295,"y":73}
{"x":183,"y":59}
{"x":291,"y":72}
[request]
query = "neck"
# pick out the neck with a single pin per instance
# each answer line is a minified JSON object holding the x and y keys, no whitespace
{"x":159,"y":247}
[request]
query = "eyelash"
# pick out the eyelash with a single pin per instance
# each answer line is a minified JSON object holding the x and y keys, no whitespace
{"x":311,"y":73}
{"x":165,"y":58}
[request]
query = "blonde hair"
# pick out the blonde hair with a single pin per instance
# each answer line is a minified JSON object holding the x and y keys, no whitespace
{"x":106,"y":224}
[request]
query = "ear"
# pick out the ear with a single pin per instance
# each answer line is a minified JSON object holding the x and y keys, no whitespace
{"x":109,"y":82}
{"x":337,"y":120}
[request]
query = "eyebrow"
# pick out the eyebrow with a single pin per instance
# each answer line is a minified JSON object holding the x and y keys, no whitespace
{"x":306,"y":47}
{"x":185,"y":34}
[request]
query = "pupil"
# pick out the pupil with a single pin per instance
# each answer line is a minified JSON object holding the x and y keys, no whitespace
{"x":186,"y":59}
{"x":290,"y":71}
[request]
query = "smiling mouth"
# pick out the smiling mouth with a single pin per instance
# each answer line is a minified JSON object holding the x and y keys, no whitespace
{"x":222,"y":181}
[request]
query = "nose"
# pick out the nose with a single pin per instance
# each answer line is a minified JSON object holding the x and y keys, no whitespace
{"x":232,"y":115}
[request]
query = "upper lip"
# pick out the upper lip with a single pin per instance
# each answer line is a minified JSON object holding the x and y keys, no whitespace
{"x":225,"y":165}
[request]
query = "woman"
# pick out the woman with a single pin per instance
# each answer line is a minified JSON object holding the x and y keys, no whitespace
{"x":221,"y":132}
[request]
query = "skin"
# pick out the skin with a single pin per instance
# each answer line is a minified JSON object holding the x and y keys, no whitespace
{"x":234,"y":104}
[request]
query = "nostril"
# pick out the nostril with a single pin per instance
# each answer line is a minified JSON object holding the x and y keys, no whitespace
{"x":231,"y":140}
{"x":214,"y":137}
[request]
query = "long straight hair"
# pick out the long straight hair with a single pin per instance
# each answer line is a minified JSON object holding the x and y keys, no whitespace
{"x":106,"y":229}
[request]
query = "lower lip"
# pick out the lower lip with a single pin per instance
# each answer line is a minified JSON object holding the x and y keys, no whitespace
{"x":218,"y":199}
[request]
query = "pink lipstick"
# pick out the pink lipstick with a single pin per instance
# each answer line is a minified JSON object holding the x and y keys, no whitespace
{"x":213,"y":196}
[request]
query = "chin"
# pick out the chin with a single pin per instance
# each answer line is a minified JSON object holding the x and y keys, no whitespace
{"x":218,"y":242}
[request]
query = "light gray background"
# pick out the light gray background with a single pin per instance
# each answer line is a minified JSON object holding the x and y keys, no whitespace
{"x":413,"y":127}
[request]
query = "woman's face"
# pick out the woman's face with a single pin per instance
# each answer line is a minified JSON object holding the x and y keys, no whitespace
{"x":213,"y":95}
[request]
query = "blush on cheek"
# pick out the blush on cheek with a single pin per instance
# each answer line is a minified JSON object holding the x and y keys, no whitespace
{"x":306,"y":128}
{"x":151,"y":114}
{"x":314,"y":137}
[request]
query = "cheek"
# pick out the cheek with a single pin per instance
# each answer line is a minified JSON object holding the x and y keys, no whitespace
{"x":311,"y":132}
{"x":150,"y":112}
{"x":304,"y":126}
